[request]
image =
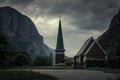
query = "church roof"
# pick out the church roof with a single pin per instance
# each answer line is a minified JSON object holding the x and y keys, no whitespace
{"x":87,"y":46}
{"x":60,"y":43}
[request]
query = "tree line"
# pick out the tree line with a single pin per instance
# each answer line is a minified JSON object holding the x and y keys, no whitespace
{"x":12,"y":58}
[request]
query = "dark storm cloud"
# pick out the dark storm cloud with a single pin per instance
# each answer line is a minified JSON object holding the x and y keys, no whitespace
{"x":15,"y":3}
{"x":86,"y":14}
{"x":21,"y":2}
{"x":1,"y":1}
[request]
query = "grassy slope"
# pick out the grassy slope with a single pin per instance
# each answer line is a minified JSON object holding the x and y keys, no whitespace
{"x":24,"y":75}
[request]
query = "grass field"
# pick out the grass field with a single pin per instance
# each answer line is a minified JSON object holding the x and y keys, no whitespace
{"x":113,"y":79}
{"x":24,"y":75}
{"x":42,"y":67}
{"x":106,"y":70}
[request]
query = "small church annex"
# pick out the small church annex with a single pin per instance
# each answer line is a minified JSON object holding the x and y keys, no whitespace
{"x":91,"y":50}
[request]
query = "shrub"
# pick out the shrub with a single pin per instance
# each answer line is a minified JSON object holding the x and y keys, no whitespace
{"x":95,"y":63}
{"x":24,"y":75}
{"x":20,"y":59}
{"x":42,"y":60}
{"x":114,"y":62}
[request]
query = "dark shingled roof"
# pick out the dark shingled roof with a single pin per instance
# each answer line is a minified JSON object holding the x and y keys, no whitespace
{"x":60,"y":44}
{"x":85,"y":46}
{"x":91,"y":44}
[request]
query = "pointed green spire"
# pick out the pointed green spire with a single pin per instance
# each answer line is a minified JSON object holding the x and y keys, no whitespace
{"x":60,"y":43}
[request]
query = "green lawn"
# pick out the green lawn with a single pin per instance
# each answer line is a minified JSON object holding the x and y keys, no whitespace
{"x":24,"y":75}
{"x":113,"y":79}
{"x":106,"y":70}
{"x":42,"y":67}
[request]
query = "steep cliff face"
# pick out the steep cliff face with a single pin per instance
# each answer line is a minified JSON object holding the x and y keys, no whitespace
{"x":111,"y":37}
{"x":21,"y":31}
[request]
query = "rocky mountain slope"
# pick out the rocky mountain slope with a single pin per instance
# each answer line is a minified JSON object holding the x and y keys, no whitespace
{"x":22,"y":33}
{"x":111,"y":38}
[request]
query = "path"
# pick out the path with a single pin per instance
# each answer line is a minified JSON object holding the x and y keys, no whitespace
{"x":77,"y":74}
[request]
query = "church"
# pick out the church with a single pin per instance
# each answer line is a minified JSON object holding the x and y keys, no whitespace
{"x":60,"y":56}
{"x":91,"y":50}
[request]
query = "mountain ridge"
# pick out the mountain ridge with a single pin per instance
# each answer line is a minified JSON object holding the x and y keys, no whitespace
{"x":111,"y":38}
{"x":22,"y":32}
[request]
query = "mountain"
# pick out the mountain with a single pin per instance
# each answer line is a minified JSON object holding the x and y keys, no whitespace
{"x":21,"y":32}
{"x":111,"y":38}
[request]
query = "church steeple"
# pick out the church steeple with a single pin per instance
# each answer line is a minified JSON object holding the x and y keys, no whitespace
{"x":60,"y":43}
{"x":60,"y":47}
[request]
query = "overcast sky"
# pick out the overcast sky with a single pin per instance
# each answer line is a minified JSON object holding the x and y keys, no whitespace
{"x":81,"y":19}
